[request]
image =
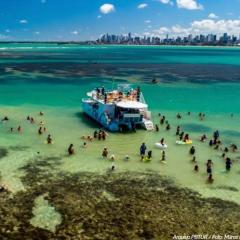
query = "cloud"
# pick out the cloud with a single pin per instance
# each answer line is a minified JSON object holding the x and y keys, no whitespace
{"x":161,"y":31}
{"x":75,"y":32}
{"x":217,"y":26}
{"x":189,"y":4}
{"x":43,"y":1}
{"x":147,"y":21}
{"x":205,"y":26}
{"x":23,"y":21}
{"x":212,"y":16}
{"x":37,"y":32}
{"x":142,"y":6}
{"x":99,"y":16}
{"x":107,"y":8}
{"x":166,"y":2}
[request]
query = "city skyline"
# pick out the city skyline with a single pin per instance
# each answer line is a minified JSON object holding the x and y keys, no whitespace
{"x":52,"y":20}
{"x":201,"y":40}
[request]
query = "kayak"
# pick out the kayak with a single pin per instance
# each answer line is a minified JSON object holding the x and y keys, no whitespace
{"x":184,"y":143}
{"x":161,"y":146}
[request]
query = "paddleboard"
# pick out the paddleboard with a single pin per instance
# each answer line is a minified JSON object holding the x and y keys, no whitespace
{"x":161,"y":146}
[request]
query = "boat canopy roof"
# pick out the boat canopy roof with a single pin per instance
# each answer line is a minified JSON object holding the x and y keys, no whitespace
{"x":131,"y":104}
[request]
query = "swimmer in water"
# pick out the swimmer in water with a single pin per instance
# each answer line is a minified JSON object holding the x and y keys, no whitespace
{"x":226,"y":150}
{"x":113,"y":167}
{"x":71,"y":149}
{"x":41,"y":113}
{"x":32,"y":120}
{"x":112,"y":157}
{"x":196,"y":168}
{"x":203,"y":138}
{"x":186,"y":138}
{"x":216,"y":147}
{"x":181,"y":136}
{"x":19,"y":129}
{"x":228,"y":164}
{"x":234,"y":147}
{"x":211,"y":143}
{"x":104,"y":135}
{"x":156,"y":128}
{"x":162,"y":141}
{"x":210,"y":178}
{"x":84,"y":145}
{"x":105,"y":153}
{"x":179,"y":116}
{"x":5,"y":119}
{"x":192,"y":150}
{"x":100,"y":135}
{"x":49,"y":139}
{"x":89,"y":138}
{"x":95,"y":134}
{"x":40,"y":131}
{"x":168,"y":127}
{"x":162,"y":120}
{"x":149,"y":154}
{"x":194,"y":159}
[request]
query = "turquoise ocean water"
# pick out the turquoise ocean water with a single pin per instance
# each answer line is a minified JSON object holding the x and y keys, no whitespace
{"x":54,"y":79}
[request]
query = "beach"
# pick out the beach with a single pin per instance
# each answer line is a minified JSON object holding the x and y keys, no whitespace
{"x":68,"y":197}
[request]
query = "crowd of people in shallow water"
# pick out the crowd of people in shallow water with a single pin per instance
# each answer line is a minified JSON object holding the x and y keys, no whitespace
{"x":215,"y":142}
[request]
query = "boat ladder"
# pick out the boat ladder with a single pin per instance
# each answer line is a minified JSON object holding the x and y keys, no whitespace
{"x":148,"y":124}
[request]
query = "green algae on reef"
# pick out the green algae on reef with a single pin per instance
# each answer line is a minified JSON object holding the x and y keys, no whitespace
{"x":112,"y":206}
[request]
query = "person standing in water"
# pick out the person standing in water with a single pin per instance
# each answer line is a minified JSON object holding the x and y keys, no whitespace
{"x":209,"y":165}
{"x":149,"y":155}
{"x":143,"y":149}
{"x":228,"y":164}
{"x":71,"y":149}
{"x":40,"y":131}
{"x":163,"y":156}
{"x":178,"y":131}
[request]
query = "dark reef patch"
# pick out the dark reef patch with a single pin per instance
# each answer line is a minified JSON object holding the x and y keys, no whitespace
{"x":194,"y":127}
{"x":142,"y":206}
{"x":79,"y":73}
{"x":231,"y":133}
{"x":3,"y":152}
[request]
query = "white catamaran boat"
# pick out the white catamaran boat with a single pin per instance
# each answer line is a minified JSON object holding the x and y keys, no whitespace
{"x":118,"y":110}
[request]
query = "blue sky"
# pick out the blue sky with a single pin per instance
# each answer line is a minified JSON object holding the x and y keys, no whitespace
{"x":88,"y":19}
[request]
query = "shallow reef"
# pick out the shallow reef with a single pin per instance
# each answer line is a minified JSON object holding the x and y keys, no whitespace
{"x":111,"y":206}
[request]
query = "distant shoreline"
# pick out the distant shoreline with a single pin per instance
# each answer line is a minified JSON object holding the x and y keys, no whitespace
{"x":127,"y":45}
